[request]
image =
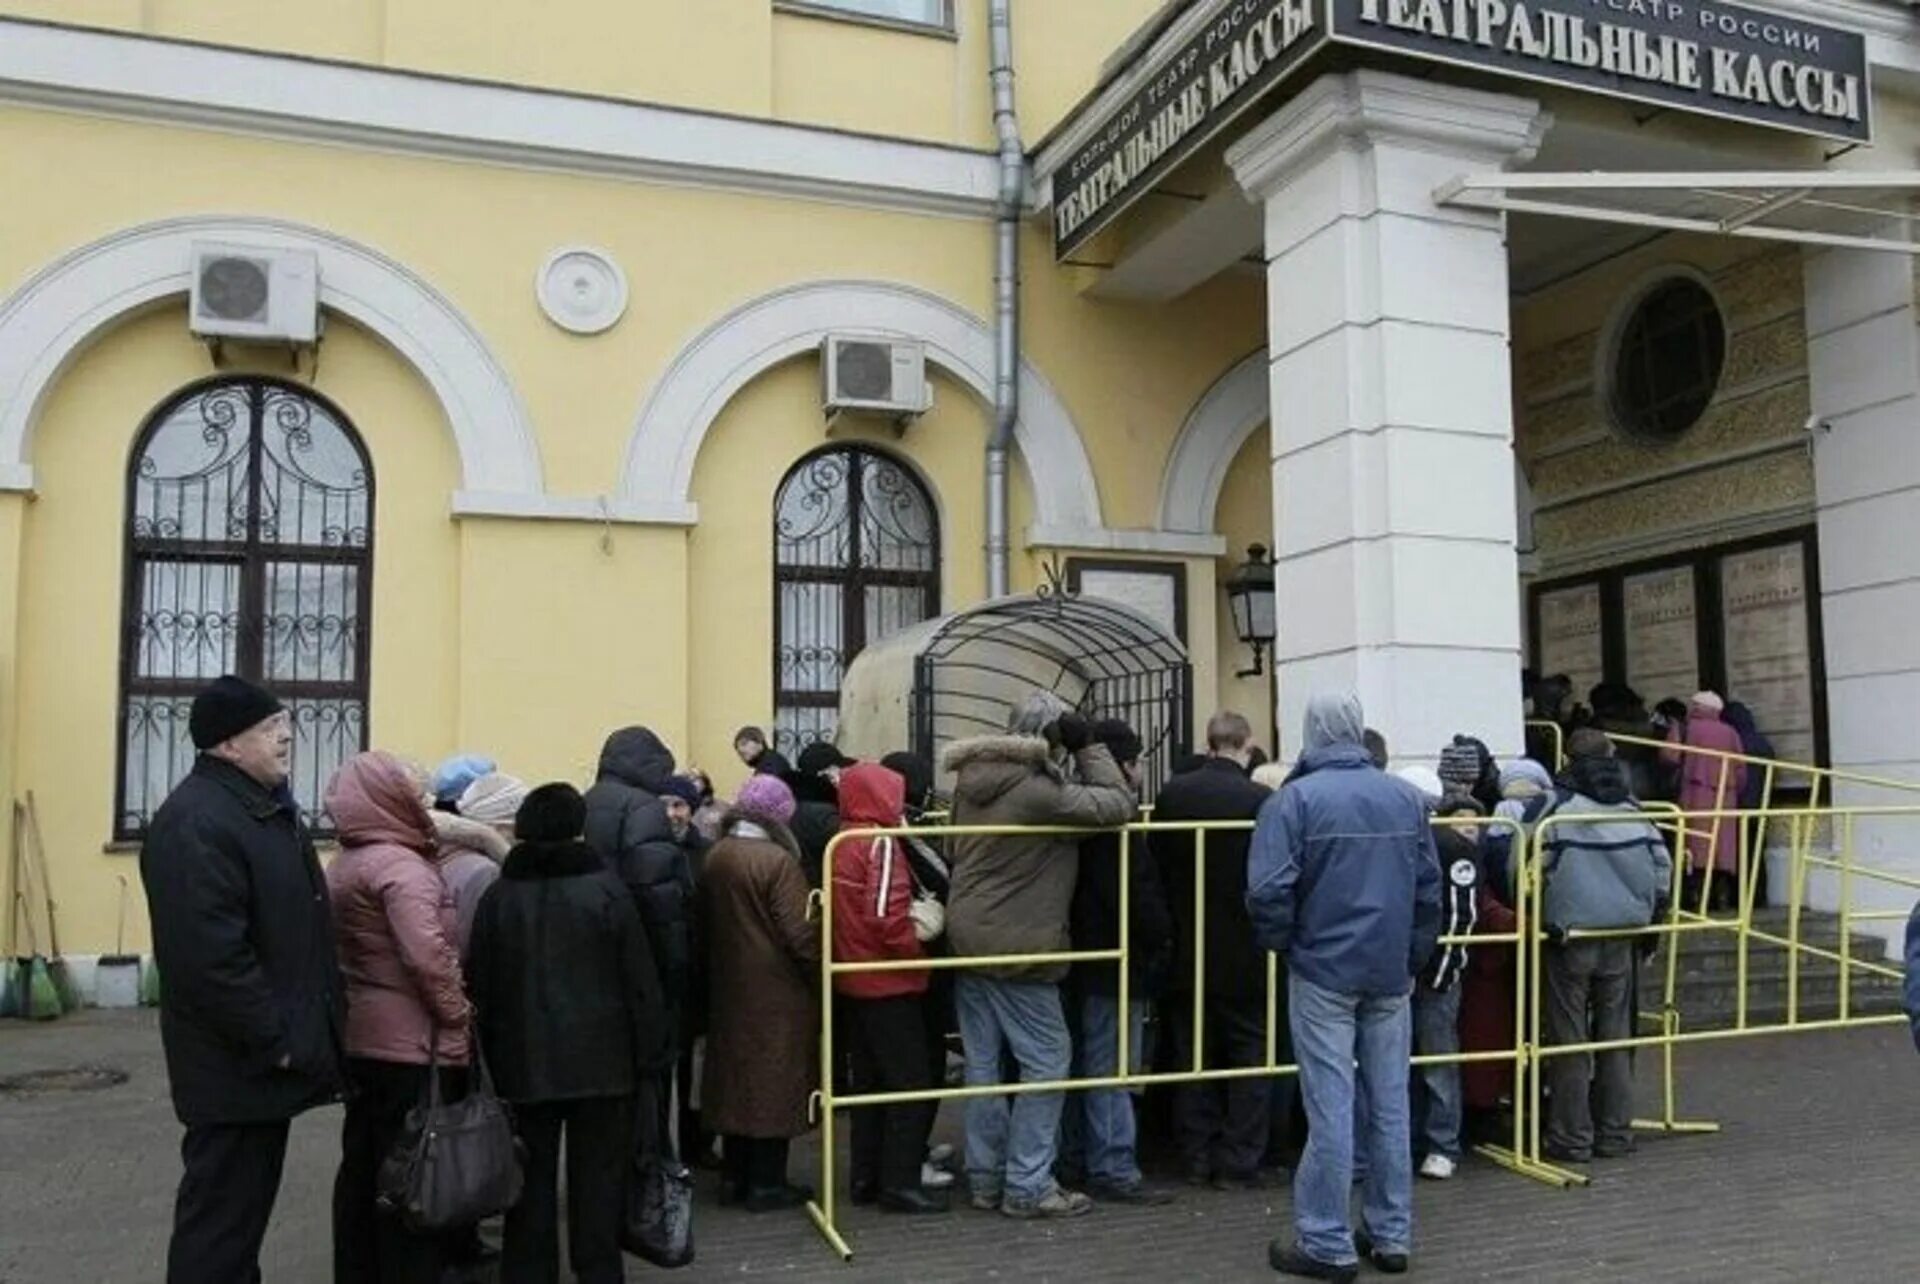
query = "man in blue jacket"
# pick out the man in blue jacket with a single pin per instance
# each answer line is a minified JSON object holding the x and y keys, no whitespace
{"x":1343,"y":879}
{"x":1912,"y":989}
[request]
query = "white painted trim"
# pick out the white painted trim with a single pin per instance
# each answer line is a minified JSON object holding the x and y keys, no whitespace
{"x":790,"y":322}
{"x":1226,"y":415}
{"x":606,"y":510}
{"x":279,"y":96}
{"x":48,"y":322}
{"x":1492,"y":129}
{"x":1116,"y":540}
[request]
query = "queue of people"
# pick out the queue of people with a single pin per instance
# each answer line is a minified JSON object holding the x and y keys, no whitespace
{"x":647,"y":946}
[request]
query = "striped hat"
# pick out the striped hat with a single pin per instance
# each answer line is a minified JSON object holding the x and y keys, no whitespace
{"x":1459,"y":768}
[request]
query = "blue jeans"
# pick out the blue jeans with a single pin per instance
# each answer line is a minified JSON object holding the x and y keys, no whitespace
{"x":1331,"y":1031}
{"x":1010,"y":1148}
{"x":1107,"y":1136}
{"x":1436,"y":1089}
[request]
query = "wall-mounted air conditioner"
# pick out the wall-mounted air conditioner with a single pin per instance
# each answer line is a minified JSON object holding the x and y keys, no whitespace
{"x":254,"y":292}
{"x":874,"y":374}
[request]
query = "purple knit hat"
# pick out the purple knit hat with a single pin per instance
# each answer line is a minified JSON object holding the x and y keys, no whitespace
{"x":765,"y":798}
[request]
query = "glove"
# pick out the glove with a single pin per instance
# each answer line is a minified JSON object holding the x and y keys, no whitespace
{"x":1072,"y":732}
{"x":1556,"y":934}
{"x":929,"y":919}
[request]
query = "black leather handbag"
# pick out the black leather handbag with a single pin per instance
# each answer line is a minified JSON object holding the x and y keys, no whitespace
{"x":658,"y":1223}
{"x":457,"y":1163}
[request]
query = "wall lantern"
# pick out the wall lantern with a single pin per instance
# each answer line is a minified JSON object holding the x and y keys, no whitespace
{"x":1250,"y":595}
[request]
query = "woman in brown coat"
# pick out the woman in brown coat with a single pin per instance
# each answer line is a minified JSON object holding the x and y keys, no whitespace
{"x":763,"y":960}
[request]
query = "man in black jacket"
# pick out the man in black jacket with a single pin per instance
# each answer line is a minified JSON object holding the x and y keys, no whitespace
{"x":816,"y":814}
{"x":750,"y":743}
{"x":628,"y":829}
{"x":1222,"y":1128}
{"x":1104,"y":1140}
{"x":252,"y":1007}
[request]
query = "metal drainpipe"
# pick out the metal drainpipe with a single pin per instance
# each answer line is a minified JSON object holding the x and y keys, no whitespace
{"x":1006,"y":293}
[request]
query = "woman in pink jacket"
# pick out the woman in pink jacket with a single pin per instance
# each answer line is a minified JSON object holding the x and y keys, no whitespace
{"x":1709,"y":782}
{"x":395,"y":928}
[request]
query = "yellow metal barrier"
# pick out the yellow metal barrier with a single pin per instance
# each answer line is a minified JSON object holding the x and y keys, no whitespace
{"x":1526,"y":1154}
{"x":1682,"y":922}
{"x":825,"y":1102}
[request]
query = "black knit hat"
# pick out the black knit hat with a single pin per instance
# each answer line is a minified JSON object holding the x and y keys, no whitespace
{"x":819,"y":756}
{"x":226,"y":708}
{"x":553,"y":813}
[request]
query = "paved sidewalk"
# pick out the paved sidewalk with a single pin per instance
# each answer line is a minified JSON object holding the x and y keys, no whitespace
{"x":1812,"y":1180}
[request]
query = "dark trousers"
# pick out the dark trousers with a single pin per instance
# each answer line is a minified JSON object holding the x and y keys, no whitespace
{"x":1222,"y":1127}
{"x":599,"y":1137}
{"x":226,"y":1196}
{"x":888,"y":1046}
{"x":371,"y":1246}
{"x":749,"y":1164}
{"x":691,"y":1143}
{"x":1589,"y":999}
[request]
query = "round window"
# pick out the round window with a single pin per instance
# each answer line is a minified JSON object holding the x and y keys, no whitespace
{"x":1667,"y":361}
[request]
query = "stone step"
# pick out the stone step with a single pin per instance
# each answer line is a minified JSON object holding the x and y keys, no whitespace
{"x":1818,"y":995}
{"x":1762,"y":964}
{"x":1881,"y":1003}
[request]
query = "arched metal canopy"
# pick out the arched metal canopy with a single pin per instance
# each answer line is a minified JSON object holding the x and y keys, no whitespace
{"x":961,"y":674}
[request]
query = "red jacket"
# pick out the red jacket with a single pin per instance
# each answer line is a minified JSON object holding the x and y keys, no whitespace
{"x":873,"y":888}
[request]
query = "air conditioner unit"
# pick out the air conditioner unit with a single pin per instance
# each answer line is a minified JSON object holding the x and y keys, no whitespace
{"x":254,"y":292}
{"x":874,"y":374}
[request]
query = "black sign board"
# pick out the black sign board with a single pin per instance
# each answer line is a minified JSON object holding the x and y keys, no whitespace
{"x":1217,"y":74}
{"x":1695,"y":55}
{"x":1705,"y":56}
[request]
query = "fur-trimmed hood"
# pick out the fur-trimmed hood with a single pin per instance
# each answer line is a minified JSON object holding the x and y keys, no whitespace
{"x":987,"y":767}
{"x":457,"y":833}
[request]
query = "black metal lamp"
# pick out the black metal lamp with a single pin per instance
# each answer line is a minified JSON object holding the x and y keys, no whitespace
{"x":1250,"y":596}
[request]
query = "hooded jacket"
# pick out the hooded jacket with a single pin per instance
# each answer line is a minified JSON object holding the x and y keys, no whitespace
{"x":873,"y":888}
{"x":1603,"y":863}
{"x":394,"y":919}
{"x":1012,"y":893}
{"x":627,"y":827}
{"x":1342,"y":876}
{"x":1709,"y":782}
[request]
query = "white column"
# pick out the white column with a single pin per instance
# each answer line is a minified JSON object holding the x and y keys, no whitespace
{"x":1392,"y":436}
{"x":1863,"y":364}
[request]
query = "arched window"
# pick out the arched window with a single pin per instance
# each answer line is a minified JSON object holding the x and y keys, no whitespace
{"x":249,"y":551}
{"x":856,"y":557}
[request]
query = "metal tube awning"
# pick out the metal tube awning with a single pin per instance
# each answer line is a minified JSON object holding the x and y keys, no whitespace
{"x":1847,"y":209}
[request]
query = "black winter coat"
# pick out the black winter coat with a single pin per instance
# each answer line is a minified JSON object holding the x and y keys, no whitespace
{"x":1095,"y":917}
{"x":243,"y":937}
{"x":567,"y":998}
{"x":1236,"y":967}
{"x":627,"y":827}
{"x":815,"y":822}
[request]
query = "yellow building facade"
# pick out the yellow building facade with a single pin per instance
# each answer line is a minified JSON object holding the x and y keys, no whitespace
{"x":575,"y":265}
